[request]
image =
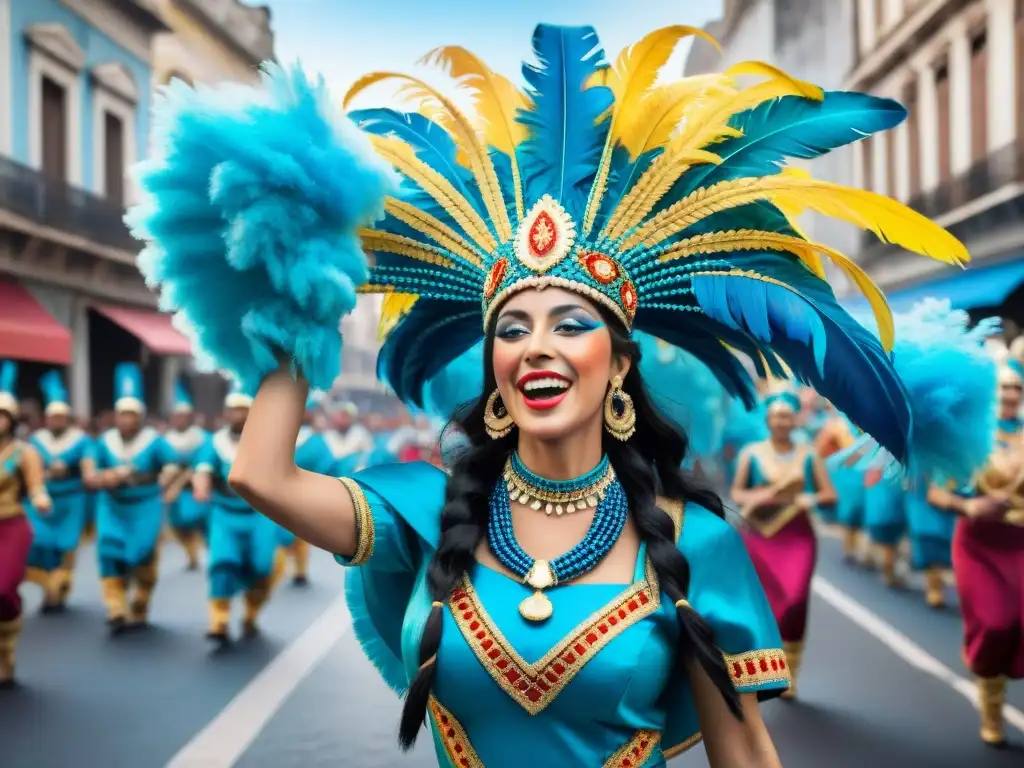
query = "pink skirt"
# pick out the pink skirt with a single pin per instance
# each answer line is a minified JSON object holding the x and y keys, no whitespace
{"x":785,"y":565}
{"x":988,"y":560}
{"x":15,"y":543}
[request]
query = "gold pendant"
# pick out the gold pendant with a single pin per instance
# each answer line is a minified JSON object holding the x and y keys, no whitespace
{"x":537,"y":607}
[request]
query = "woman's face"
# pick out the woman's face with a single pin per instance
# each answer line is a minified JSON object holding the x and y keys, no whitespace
{"x":781,"y":421}
{"x":1009,"y":400}
{"x":6,"y":423}
{"x":553,"y":361}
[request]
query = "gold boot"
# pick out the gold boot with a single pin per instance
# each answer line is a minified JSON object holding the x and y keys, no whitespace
{"x":850,"y":543}
{"x":934,"y":589}
{"x":794,"y":656}
{"x":300,"y":557}
{"x":220,"y":615}
{"x":145,"y":582}
{"x":991,"y":695}
{"x":887,"y":554}
{"x":9,"y":631}
{"x":115,"y":598}
{"x":193,"y":543}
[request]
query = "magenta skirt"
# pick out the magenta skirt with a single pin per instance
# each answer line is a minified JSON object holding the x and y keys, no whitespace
{"x":785,"y":565}
{"x":15,"y":543}
{"x":988,"y":560}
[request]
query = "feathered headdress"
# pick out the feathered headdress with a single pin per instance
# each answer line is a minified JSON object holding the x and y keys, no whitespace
{"x":129,"y":393}
{"x":55,"y":394}
{"x":8,"y":387}
{"x":667,"y":205}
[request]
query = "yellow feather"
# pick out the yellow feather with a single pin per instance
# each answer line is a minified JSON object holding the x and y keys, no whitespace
{"x":403,"y":158}
{"x":705,"y":124}
{"x":629,"y":80}
{"x":388,"y":242}
{"x":806,"y":251}
{"x":661,"y":111}
{"x":763,"y":69}
{"x":497,"y":102}
{"x":890,"y":220}
{"x":394,"y":307}
{"x":438,"y":231}
{"x":462,"y":131}
{"x":812,"y":260}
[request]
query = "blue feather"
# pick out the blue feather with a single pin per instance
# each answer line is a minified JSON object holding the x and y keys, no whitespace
{"x":954,"y":416}
{"x":792,"y":127}
{"x":253,"y":203}
{"x":566,"y":140}
{"x":51,"y":384}
{"x":8,"y":376}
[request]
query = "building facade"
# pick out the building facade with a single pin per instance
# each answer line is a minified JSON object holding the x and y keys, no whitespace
{"x":957,"y":65}
{"x":77,"y":79}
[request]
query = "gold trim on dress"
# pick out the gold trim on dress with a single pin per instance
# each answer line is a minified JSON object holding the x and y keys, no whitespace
{"x":684,"y":746}
{"x":364,"y":522}
{"x":454,"y":738}
{"x":534,"y":686}
{"x":675,"y":509}
{"x":636,"y":751}
{"x":757,"y":667}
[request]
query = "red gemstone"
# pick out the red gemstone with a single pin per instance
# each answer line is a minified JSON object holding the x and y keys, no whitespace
{"x":764,"y":665}
{"x":451,"y":733}
{"x":633,"y":605}
{"x":512,"y":676}
{"x":558,"y":668}
{"x":543,"y":234}
{"x":626,"y":763}
{"x":481,"y":635}
{"x":493,"y":653}
{"x":622,"y":613}
{"x":444,"y":720}
{"x":782,"y":663}
{"x":644,"y":599}
{"x":502,"y":663}
{"x":494,"y":278}
{"x":523,"y":685}
{"x":602,"y":628}
{"x":458,"y":747}
{"x":551,"y":676}
{"x":628,"y":296}
{"x":580,"y":649}
{"x":568,"y":659}
{"x":464,"y":762}
{"x":592,"y":638}
{"x":543,"y":686}
{"x":775,"y":664}
{"x":463,"y":606}
{"x":737,"y":670}
{"x":486,"y":644}
{"x":474,"y":626}
{"x":467,"y":615}
{"x":613,"y":620}
{"x":751,"y":669}
{"x":533,"y":694}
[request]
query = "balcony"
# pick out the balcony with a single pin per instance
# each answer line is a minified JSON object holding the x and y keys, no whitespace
{"x":960,"y":202}
{"x":65,"y":211}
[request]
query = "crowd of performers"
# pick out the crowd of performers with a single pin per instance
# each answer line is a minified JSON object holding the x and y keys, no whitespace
{"x":794,"y":472}
{"x":132,"y":487}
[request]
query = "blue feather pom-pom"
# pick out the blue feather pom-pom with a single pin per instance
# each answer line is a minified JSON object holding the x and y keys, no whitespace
{"x":252,"y":203}
{"x":950,"y":379}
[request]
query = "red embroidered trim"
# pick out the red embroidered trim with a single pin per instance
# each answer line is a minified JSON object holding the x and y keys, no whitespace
{"x":757,"y":667}
{"x":536,"y":685}
{"x":453,"y":736}
{"x":494,"y":277}
{"x":636,"y":752}
{"x":627,"y":293}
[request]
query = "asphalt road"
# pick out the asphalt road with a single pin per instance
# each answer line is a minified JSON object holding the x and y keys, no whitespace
{"x":303,"y":696}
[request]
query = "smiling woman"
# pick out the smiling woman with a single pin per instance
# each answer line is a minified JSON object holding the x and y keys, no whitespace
{"x":564,"y":594}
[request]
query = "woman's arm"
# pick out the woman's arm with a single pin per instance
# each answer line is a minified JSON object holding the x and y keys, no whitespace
{"x":945,"y":499}
{"x":825,"y":493}
{"x":728,"y":741}
{"x":314,"y":507}
{"x":34,"y":472}
{"x":976,"y":507}
{"x":740,"y":493}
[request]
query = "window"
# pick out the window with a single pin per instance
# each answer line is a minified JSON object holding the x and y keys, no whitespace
{"x":54,"y":130}
{"x":113,"y":169}
{"x":942,"y":118}
{"x":979,"y":98}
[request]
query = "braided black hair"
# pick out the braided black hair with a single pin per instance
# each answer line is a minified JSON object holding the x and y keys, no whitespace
{"x":648,"y":464}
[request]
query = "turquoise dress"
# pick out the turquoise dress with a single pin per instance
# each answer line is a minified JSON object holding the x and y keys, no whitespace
{"x":885,"y":513}
{"x":129,"y":518}
{"x":57,"y":533}
{"x":243,"y":543}
{"x":185,"y":513}
{"x":596,"y":684}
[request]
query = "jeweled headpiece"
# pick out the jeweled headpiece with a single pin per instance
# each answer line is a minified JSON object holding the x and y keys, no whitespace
{"x":668,"y":205}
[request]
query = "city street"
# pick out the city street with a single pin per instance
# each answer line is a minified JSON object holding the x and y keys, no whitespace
{"x":880,"y":686}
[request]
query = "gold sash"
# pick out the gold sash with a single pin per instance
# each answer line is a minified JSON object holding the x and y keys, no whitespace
{"x":790,"y":483}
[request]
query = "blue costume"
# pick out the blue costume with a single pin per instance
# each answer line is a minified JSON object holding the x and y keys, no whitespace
{"x":130,"y":509}
{"x":245,"y":546}
{"x":66,"y":456}
{"x":674,"y":227}
{"x":579,"y":668}
{"x":187,"y":517}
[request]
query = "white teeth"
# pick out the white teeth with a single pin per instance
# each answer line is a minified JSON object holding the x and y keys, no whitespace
{"x":545,"y":384}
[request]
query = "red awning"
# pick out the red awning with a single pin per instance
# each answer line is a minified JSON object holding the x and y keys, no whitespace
{"x":153,"y":329}
{"x":29,"y":332}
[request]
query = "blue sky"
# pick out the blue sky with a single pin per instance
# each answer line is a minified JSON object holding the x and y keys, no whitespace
{"x":343,"y":39}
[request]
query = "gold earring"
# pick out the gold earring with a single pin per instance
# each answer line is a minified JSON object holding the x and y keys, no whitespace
{"x":497,"y":420}
{"x":619,"y":414}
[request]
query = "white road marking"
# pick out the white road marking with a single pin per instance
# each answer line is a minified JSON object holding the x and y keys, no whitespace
{"x":906,"y":648}
{"x":226,"y":738}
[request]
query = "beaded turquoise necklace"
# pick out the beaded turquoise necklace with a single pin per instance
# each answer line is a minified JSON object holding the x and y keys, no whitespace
{"x":609,"y":519}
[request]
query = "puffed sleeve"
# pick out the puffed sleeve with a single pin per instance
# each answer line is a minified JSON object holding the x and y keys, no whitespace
{"x":384,"y":540}
{"x":206,"y":458}
{"x":725,"y":590}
